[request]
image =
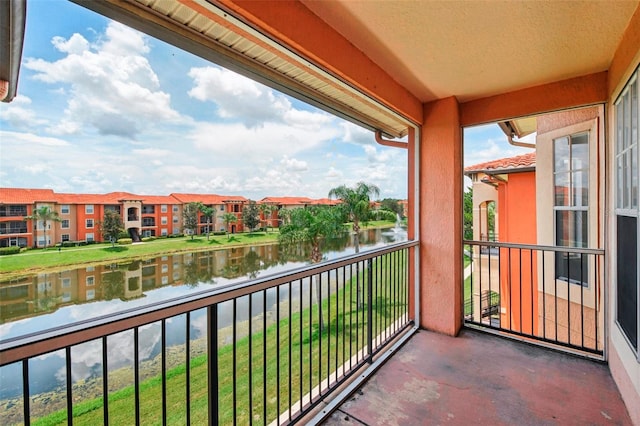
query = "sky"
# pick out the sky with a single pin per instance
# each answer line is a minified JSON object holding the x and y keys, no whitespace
{"x":102,"y":108}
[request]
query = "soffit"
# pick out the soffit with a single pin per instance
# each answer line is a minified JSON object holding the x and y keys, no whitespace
{"x":475,"y":49}
{"x":219,"y":37}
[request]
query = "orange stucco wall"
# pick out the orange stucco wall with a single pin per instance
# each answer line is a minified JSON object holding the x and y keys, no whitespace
{"x":518,"y":274}
{"x":441,"y":218}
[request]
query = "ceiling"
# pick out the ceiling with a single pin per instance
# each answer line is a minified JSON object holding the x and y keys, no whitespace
{"x":474,"y":49}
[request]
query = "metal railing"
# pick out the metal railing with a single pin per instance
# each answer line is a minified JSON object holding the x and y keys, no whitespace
{"x":259,"y":352}
{"x":543,"y":294}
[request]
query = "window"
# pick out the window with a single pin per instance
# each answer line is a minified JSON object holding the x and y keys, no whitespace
{"x":66,"y":282}
{"x":90,"y":280}
{"x":627,"y":119}
{"x":89,"y":223}
{"x":64,"y":224}
{"x":88,"y":209}
{"x":163,"y":220}
{"x":64,"y":209}
{"x":163,"y":208}
{"x":175,"y":209}
{"x":175,"y":219}
{"x":164,"y":232}
{"x":571,"y":205}
{"x":64,"y":237}
{"x":89,"y":236}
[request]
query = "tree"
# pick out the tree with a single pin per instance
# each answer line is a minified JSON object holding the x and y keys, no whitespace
{"x":251,"y":215}
{"x":355,"y":204}
{"x":267,"y":210}
{"x":190,"y":217}
{"x":208,"y":213}
{"x":313,"y":225}
{"x":45,"y":215}
{"x":467,"y":209}
{"x":228,"y":218}
{"x":393,"y":205}
{"x":284,"y":215}
{"x":111,"y":226}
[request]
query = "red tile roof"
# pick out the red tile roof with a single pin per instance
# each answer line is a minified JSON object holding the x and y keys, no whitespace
{"x":26,"y":196}
{"x":288,"y":201}
{"x":208,"y":199}
{"x":505,"y":165}
{"x":325,"y":202}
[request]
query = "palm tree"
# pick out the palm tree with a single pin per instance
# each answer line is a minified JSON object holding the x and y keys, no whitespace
{"x":45,"y":215}
{"x":228,"y":218}
{"x":312,"y":225}
{"x":355,"y":204}
{"x":267,"y":210}
{"x":207,"y":212}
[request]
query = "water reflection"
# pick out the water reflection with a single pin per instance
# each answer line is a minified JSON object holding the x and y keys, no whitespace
{"x":49,"y":300}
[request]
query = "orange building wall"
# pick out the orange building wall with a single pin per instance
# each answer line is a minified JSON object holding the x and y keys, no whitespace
{"x":518,"y":272}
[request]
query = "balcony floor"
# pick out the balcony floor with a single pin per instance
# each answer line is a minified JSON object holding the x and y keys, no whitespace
{"x":482,"y":379}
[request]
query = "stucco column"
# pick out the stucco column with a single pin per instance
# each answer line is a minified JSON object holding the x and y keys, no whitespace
{"x":441,"y":218}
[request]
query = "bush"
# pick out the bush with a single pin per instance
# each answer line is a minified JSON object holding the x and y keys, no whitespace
{"x":123,"y":235}
{"x":124,"y":241}
{"x":219,"y":233}
{"x":147,"y":239}
{"x":5,"y":251}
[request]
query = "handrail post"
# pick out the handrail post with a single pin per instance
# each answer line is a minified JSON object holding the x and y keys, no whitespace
{"x":212,"y":360}
{"x":369,"y":311}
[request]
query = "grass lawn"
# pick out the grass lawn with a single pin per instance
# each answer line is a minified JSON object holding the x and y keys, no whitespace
{"x":344,"y":332}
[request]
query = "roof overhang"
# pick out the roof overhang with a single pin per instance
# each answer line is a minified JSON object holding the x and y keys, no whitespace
{"x":12,"y":24}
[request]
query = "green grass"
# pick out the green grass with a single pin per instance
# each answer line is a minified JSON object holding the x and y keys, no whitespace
{"x":386,"y":308}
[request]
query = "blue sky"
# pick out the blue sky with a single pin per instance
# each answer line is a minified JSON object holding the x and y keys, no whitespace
{"x":102,"y":108}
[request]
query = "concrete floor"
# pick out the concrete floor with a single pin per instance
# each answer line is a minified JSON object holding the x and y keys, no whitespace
{"x":480,"y":379}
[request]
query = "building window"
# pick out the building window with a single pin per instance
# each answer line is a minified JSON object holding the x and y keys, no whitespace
{"x":89,"y":237}
{"x":163,"y":220}
{"x":64,"y":237}
{"x":90,"y":280}
{"x":175,"y":209}
{"x":163,"y":208}
{"x":88,"y":209}
{"x":66,"y":282}
{"x":89,"y":223}
{"x":627,"y":119}
{"x":64,"y":224}
{"x":571,"y":205}
{"x":164,"y":232}
{"x":175,"y":219}
{"x":64,"y":209}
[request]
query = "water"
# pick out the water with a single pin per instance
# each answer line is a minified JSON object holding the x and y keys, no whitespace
{"x":48,"y":300}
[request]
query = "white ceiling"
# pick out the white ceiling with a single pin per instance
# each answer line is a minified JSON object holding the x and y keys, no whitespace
{"x":474,"y":49}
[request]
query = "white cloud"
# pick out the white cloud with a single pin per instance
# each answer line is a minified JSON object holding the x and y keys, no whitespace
{"x":29,"y":139}
{"x":112,"y":85}
{"x":294,"y":165}
{"x":18,"y":115}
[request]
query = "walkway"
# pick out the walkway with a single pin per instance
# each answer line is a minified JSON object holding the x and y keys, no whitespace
{"x":480,"y":379}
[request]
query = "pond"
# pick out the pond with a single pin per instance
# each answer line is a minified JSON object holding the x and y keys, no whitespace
{"x":48,"y":300}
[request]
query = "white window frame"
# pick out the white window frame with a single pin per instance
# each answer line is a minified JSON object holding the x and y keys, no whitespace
{"x":623,"y":162}
{"x":64,"y":209}
{"x":89,"y":236}
{"x":64,"y":224}
{"x":88,"y":209}
{"x":88,"y":222}
{"x":163,"y":208}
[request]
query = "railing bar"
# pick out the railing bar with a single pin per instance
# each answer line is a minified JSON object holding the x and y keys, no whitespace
{"x":351,"y":317}
{"x":544,"y":296}
{"x":369,"y":311}
{"x":337,"y":343}
{"x":581,"y":300}
{"x":568,"y":302}
{"x":357,"y":313}
{"x":301,"y":366}
{"x":67,"y":357}
{"x":188,"y":366}
{"x":234,"y":362}
{"x":264,"y":356}
{"x":595,"y":251}
{"x":499,"y":287}
{"x":531,"y":287}
{"x":163,"y":334}
{"x":395,"y":293}
{"x":327,"y":326}
{"x":555,"y":297}
{"x":520,"y":286}
{"x":344,"y":313}
{"x":488,"y":291}
{"x":212,"y":361}
{"x":105,"y":382}
{"x":278,"y":354}
{"x":250,"y":367}
{"x":26,"y":397}
{"x":290,"y":389}
{"x":310,"y":339}
{"x":596,"y":306}
{"x":320,"y":331}
{"x":136,"y":372}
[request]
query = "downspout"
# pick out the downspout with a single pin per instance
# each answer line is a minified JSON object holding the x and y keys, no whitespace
{"x":520,"y":143}
{"x":386,"y":142}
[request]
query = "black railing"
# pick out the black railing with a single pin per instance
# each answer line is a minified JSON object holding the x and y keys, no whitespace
{"x":546,"y":294}
{"x":263,"y":351}
{"x":19,"y":229}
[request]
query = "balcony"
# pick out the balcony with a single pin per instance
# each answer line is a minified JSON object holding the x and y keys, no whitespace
{"x":281,"y":356}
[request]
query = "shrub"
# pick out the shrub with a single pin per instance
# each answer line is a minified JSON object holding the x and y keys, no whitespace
{"x":124,"y":241}
{"x":5,"y":251}
{"x":219,"y":233}
{"x":147,"y":239}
